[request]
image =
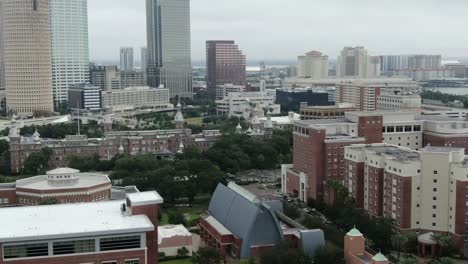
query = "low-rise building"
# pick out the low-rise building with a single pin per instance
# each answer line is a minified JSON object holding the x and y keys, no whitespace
{"x":224,"y":90}
{"x":240,"y":225}
{"x":62,"y":186}
{"x":290,"y":99}
{"x":172,"y":238}
{"x":399,"y":101}
{"x":137,"y":98}
{"x":364,"y":95}
{"x":308,"y":112}
{"x":123,"y":231}
{"x":132,"y":79}
{"x":243,"y":104}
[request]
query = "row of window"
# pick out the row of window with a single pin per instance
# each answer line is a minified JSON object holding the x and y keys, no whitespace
{"x":70,"y":247}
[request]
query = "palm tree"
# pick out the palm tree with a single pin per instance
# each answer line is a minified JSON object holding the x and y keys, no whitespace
{"x":399,"y":240}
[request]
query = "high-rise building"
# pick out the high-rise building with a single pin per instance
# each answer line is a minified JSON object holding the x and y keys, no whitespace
{"x":70,"y":51}
{"x":225,"y":64}
{"x":425,"y":62}
{"x":353,"y":62}
{"x":27,"y":56}
{"x":391,"y":63}
{"x":132,"y":79}
{"x":313,"y":65}
{"x":2,"y":61}
{"x":169,"y":54}
{"x":126,"y":59}
{"x":144,"y":59}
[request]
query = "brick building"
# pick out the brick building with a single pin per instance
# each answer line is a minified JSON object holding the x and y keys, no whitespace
{"x":318,"y":154}
{"x":424,"y":191}
{"x":355,"y":250}
{"x":62,"y":185}
{"x":241,"y":225}
{"x":326,"y":112}
{"x":157,"y":142}
{"x":123,"y":232}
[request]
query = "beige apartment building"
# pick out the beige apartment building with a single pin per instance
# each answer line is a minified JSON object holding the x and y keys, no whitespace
{"x":26,"y":47}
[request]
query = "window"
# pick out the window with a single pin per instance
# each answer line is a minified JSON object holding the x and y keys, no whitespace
{"x":118,"y":243}
{"x":435,"y":181}
{"x":434,"y":189}
{"x":434,"y":198}
{"x":109,"y":262}
{"x":35,"y":5}
{"x":417,"y":128}
{"x":25,"y":251}
{"x":74,"y":247}
{"x":434,"y":207}
{"x":435,"y":172}
{"x":434,"y":215}
{"x":433,"y":224}
{"x":132,"y":261}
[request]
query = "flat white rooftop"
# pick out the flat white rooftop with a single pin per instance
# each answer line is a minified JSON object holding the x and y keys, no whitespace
{"x":32,"y":223}
{"x":85,"y":180}
{"x":169,"y":231}
{"x":144,"y":198}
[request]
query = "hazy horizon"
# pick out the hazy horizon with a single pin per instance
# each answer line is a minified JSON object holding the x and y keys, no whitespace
{"x":273,"y":30}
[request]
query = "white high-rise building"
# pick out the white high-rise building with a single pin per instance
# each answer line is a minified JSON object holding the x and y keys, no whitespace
{"x":354,"y":62}
{"x":313,"y":65}
{"x":126,"y":59}
{"x":70,"y":48}
{"x":26,"y":41}
{"x":169,"y":53}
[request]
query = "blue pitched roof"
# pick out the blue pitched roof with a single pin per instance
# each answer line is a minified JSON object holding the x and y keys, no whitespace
{"x":247,"y":218}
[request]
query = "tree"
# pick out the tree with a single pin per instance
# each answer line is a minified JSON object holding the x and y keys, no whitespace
{"x":182,"y":252}
{"x":328,"y":254}
{"x":291,"y":211}
{"x":443,"y":261}
{"x":206,"y":255}
{"x":49,"y":202}
{"x":285,"y":254}
{"x":408,"y":261}
{"x":37,"y":163}
{"x":445,"y":244}
{"x":399,"y":241}
{"x":176,"y":218}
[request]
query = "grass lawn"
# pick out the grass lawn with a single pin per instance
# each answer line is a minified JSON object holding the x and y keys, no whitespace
{"x":194,"y":120}
{"x":191,"y":213}
{"x":177,"y":261}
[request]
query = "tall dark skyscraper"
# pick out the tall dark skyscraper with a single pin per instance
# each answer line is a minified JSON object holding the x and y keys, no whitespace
{"x":169,"y":54}
{"x":225,"y":64}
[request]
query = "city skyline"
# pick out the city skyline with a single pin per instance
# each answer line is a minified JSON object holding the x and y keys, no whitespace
{"x":398,"y":28}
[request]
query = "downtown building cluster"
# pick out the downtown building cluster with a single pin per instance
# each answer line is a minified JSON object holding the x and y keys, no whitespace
{"x":397,"y":164}
{"x":44,"y":51}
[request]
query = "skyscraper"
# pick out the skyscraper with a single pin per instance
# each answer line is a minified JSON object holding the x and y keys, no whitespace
{"x":126,"y":59}
{"x":144,"y":59}
{"x":169,"y":54}
{"x":27,"y":56}
{"x":225,"y":64}
{"x":70,"y":51}
{"x":2,"y":61}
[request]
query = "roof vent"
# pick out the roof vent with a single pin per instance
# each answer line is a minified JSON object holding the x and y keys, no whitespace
{"x":123,"y":208}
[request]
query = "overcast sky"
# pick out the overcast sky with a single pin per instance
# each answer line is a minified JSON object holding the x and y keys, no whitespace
{"x":281,"y":30}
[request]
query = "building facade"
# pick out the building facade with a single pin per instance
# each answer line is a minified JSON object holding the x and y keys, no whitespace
{"x":85,"y":96}
{"x":291,"y":99}
{"x":126,"y":59}
{"x":318,"y":148}
{"x":399,"y":101}
{"x":355,"y":250}
{"x":105,"y":77}
{"x":70,"y":51}
{"x":157,"y":142}
{"x":122,"y":231}
{"x":27,"y":56}
{"x":423,"y":191}
{"x":132,"y":79}
{"x":225,"y":63}
{"x":354,"y":62}
{"x":326,"y":112}
{"x":137,"y":98}
{"x":312,"y":65}
{"x":364,"y":95}
{"x":224,"y":90}
{"x":243,"y":104}
{"x":169,"y":53}
{"x":60,"y":186}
